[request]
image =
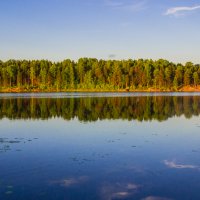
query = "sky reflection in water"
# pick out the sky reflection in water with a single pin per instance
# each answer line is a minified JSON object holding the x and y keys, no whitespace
{"x":51,"y":156}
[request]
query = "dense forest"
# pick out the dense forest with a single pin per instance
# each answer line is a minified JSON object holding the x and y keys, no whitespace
{"x":92,"y":109}
{"x":99,"y":75}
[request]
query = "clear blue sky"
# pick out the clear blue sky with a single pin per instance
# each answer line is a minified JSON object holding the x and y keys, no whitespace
{"x":120,"y":29}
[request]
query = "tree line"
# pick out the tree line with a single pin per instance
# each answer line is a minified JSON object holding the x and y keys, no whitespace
{"x":93,"y":74}
{"x":90,"y":109}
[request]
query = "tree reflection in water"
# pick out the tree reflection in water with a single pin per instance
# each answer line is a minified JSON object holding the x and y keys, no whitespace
{"x":88,"y":109}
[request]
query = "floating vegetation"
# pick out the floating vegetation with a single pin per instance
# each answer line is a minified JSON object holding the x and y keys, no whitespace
{"x":7,"y":143}
{"x":4,"y":148}
{"x":13,"y":141}
{"x":90,"y":158}
{"x":110,"y":141}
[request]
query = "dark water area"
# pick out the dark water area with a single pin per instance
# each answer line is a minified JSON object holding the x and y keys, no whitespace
{"x":108,"y":146}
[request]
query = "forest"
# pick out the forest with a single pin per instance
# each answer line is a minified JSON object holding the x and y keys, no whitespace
{"x":88,"y":74}
{"x":89,"y":109}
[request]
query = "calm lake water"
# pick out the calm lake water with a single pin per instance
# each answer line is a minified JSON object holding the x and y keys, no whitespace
{"x":106,"y":146}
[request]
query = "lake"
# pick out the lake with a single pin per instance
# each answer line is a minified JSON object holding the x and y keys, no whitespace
{"x":140,"y":146}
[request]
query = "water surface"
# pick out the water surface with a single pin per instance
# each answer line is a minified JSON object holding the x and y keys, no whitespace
{"x":139,"y":146}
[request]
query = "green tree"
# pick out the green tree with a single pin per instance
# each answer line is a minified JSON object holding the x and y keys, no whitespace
{"x":196,"y":78}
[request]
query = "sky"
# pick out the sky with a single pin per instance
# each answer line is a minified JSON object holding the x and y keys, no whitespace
{"x":103,"y":29}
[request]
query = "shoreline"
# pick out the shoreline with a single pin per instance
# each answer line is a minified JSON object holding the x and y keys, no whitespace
{"x":150,"y":90}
